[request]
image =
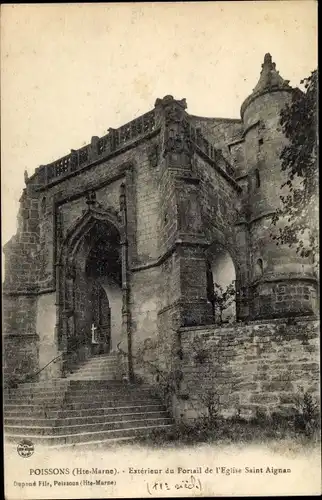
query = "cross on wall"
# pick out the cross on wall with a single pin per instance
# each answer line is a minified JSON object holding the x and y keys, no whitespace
{"x":94,"y":336}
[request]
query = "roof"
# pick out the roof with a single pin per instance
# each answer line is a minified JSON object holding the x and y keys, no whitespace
{"x":269,"y":81}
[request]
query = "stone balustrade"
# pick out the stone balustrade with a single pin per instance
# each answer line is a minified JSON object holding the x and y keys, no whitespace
{"x":117,"y":139}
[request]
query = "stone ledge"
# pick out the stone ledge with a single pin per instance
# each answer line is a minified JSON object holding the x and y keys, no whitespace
{"x":100,"y":160}
{"x":297,"y":319}
{"x":8,"y":336}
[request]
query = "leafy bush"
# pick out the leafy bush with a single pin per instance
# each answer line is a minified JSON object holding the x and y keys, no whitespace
{"x":307,"y":415}
{"x":211,"y":427}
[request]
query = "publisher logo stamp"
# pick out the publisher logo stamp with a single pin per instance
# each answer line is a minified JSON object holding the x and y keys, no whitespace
{"x":25,"y":448}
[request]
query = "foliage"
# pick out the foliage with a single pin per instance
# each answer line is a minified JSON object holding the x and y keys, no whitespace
{"x":299,"y":162}
{"x":306,"y":414}
{"x":235,"y":429}
{"x":167,"y":380}
{"x":200,"y":352}
{"x":223,"y":298}
{"x":209,"y":398}
{"x":301,"y":423}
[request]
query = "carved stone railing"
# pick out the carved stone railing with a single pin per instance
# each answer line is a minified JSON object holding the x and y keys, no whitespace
{"x":115,"y":140}
{"x":197,"y":138}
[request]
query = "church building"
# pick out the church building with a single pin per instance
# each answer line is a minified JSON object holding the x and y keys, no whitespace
{"x":121,"y":245}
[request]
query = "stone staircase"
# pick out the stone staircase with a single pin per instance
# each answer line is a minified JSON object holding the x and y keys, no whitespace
{"x":91,"y":405}
{"x":100,"y":367}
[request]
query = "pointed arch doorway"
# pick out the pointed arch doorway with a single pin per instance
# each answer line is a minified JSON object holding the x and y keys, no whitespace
{"x":92,"y":288}
{"x":103,"y":275}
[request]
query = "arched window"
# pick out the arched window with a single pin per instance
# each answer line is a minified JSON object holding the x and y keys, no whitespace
{"x":259,"y":267}
{"x":221,"y":290}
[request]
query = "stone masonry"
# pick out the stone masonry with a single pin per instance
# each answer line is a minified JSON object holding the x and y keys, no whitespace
{"x":164,"y":196}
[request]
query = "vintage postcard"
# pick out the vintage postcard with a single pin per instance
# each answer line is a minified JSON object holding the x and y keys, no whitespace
{"x":160,"y":257}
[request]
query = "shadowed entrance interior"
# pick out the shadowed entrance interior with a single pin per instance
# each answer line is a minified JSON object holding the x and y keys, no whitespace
{"x":95,"y":293}
{"x":103,"y":272}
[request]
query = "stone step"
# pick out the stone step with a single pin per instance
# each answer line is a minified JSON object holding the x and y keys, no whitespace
{"x":77,"y":396}
{"x":97,"y":371}
{"x":84,"y":437}
{"x":36,"y":399}
{"x":101,"y":366}
{"x":22,"y":392}
{"x":26,"y":409}
{"x":80,"y":428}
{"x":101,"y":384}
{"x":77,"y":391}
{"x":96,"y":376}
{"x":98,"y":363}
{"x":101,"y":361}
{"x":86,"y":385}
{"x":93,"y":445}
{"x":108,"y":376}
{"x":59,"y":382}
{"x":105,"y":356}
{"x":116,"y":396}
{"x":89,"y":419}
{"x":63,"y":413}
{"x":108,"y":403}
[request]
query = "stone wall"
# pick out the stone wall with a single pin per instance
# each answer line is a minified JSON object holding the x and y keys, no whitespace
{"x":262,"y":365}
{"x":218,"y":201}
{"x":22,"y":251}
{"x":147,"y":201}
{"x":220,"y":131}
{"x":21,"y":356}
{"x":19,"y":314}
{"x":46,"y":323}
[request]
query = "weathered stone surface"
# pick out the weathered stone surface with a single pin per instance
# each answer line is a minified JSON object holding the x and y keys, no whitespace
{"x":278,"y":380}
{"x":182,"y":201}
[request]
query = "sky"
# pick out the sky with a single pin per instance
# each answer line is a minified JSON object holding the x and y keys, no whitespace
{"x":71,"y":71}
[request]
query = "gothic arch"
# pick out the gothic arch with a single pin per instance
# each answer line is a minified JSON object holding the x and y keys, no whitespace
{"x":68,"y":266}
{"x":221,"y":243}
{"x":84,"y":225}
{"x":223,"y":269}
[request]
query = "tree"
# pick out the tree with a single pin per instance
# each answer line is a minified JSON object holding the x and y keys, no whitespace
{"x":299,"y":209}
{"x":223,"y":298}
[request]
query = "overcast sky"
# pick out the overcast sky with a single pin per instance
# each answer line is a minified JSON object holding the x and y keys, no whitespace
{"x":72,"y":71}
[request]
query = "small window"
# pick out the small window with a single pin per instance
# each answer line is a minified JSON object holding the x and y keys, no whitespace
{"x":43,"y":205}
{"x":260,"y":141}
{"x":257,"y":179}
{"x":259,"y":267}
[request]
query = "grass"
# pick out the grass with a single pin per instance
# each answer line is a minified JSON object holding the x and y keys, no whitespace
{"x":234,"y":430}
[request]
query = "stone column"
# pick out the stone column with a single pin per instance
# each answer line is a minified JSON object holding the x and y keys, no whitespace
{"x":181,"y":225}
{"x":126,"y":317}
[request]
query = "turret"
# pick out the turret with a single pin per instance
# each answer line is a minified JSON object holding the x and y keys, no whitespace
{"x":282,"y":282}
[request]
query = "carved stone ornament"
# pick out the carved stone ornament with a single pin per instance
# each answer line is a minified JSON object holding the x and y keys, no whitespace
{"x":173,"y":109}
{"x":91,"y":199}
{"x":176,"y":140}
{"x":70,"y":270}
{"x":154,"y":154}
